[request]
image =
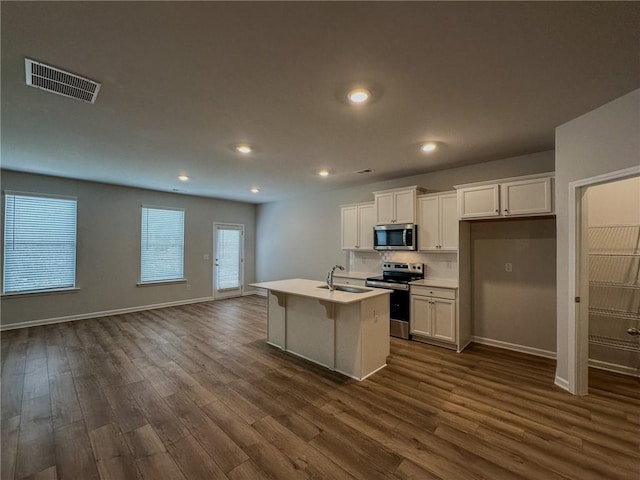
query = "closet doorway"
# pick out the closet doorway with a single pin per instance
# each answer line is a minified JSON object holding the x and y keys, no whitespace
{"x":613,"y":250}
{"x":606,"y":232}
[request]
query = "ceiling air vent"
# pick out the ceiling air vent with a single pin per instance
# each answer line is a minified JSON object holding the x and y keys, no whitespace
{"x":366,"y":170}
{"x":54,"y":80}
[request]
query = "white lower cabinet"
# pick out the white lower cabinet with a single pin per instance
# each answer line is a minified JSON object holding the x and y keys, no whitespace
{"x":433,"y":315}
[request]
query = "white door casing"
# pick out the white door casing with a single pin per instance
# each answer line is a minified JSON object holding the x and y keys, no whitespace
{"x":578,"y":316}
{"x":228,"y":265}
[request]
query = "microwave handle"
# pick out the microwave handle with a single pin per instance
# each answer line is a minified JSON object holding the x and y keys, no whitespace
{"x":404,"y":237}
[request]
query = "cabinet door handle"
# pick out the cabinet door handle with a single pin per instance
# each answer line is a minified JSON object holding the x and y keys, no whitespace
{"x":497,"y":211}
{"x":506,"y":211}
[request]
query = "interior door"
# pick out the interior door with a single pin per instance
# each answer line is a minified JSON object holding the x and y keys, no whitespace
{"x":228,"y":269}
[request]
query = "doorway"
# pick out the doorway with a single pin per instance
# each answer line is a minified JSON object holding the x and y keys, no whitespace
{"x":613,"y":250}
{"x":606,"y":237}
{"x":228,"y":268}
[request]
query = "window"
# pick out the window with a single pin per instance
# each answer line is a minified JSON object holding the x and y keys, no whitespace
{"x":162,"y":257}
{"x":39,"y":243}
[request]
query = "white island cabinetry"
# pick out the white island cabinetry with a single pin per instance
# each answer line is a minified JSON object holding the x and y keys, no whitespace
{"x":342,"y":331}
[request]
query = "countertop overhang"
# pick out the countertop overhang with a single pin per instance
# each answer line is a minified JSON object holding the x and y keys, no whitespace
{"x":309,"y":288}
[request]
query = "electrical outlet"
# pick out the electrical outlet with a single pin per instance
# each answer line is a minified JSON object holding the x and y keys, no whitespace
{"x":508,"y":267}
{"x":188,"y":286}
{"x":206,"y":256}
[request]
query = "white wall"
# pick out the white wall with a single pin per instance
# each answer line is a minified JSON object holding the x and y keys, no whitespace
{"x":517,"y":307}
{"x":599,"y":142}
{"x":615,"y":203}
{"x":108,"y":248}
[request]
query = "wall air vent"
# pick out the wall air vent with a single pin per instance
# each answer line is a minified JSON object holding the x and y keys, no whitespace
{"x":54,"y":80}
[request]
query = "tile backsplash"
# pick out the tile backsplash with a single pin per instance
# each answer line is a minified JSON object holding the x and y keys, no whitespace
{"x":437,"y":264}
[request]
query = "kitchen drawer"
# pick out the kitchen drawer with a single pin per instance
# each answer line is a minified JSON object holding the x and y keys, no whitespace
{"x":433,"y":292}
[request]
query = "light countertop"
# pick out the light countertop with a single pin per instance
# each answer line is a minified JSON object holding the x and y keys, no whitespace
{"x":309,"y":288}
{"x":436,"y":282}
{"x":358,"y":275}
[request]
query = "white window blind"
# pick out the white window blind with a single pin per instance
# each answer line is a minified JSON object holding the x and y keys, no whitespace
{"x":228,"y":258}
{"x":39,"y":243}
{"x":162,"y":256}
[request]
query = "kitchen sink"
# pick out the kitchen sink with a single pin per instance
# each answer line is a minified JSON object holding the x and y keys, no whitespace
{"x":346,"y":288}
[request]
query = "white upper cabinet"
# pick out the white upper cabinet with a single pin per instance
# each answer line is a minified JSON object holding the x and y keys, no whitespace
{"x":449,"y":221}
{"x":349,"y":227}
{"x":514,"y":197}
{"x":526,"y":197}
{"x":479,"y":202}
{"x":405,"y":206}
{"x":385,"y":208}
{"x":366,"y":222}
{"x":357,"y":226}
{"x":438,"y":222}
{"x":396,"y":206}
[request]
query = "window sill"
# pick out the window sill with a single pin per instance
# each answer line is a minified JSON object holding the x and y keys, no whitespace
{"x":161,"y":282}
{"x":35,"y":293}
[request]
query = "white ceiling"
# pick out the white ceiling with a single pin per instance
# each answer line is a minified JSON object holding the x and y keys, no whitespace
{"x":181,"y":82}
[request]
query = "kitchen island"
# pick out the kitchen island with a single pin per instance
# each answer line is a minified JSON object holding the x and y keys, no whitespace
{"x":342,"y":331}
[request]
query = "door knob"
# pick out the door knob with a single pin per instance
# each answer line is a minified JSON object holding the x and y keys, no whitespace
{"x":633,"y":331}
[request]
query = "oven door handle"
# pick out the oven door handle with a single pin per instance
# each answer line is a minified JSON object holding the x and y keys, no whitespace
{"x":389,"y":286}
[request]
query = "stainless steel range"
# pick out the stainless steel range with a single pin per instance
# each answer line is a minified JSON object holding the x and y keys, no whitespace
{"x":396,"y":277}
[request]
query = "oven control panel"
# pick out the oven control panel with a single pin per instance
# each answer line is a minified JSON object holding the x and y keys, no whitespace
{"x":403,"y":267}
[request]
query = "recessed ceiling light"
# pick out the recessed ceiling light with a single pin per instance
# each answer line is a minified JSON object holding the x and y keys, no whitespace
{"x":323,"y":173}
{"x":255,"y":190}
{"x":243,"y":148}
{"x":183,"y":178}
{"x":428,"y":147}
{"x":359,"y":95}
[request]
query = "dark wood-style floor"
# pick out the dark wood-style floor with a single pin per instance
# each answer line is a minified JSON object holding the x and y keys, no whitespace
{"x":194,"y":392}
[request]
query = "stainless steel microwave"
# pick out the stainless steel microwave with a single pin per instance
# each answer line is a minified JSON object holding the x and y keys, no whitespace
{"x":395,"y":237}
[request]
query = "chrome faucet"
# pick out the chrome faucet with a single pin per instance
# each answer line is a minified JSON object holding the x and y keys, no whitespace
{"x":330,"y":277}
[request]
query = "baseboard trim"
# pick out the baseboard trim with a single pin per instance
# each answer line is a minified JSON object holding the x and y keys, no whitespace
{"x":562,"y":383}
{"x":105,"y":313}
{"x":515,"y":347}
{"x":612,"y":367}
{"x":261,"y":292}
{"x":250,"y":292}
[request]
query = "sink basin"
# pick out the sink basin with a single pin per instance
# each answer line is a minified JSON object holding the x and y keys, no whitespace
{"x":346,"y":288}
